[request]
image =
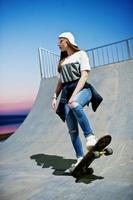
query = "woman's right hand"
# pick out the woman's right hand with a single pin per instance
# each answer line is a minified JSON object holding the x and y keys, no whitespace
{"x":54,"y":103}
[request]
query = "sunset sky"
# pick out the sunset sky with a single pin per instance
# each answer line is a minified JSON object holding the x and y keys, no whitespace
{"x":26,"y":25}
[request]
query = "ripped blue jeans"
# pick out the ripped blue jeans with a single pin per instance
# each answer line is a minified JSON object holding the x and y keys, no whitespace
{"x":76,"y":115}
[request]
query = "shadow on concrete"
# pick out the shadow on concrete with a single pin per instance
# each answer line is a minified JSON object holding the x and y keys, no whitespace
{"x":87,"y":179}
{"x":58,"y":163}
{"x":60,"y":166}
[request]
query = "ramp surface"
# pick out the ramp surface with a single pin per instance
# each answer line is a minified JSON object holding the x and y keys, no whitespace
{"x":34,"y":159}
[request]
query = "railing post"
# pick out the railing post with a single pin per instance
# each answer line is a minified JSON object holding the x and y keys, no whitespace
{"x":93,"y":58}
{"x":128,"y":49}
{"x":40,"y":62}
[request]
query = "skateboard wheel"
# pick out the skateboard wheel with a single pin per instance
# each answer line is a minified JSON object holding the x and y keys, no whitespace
{"x":96,"y":154}
{"x":90,"y":170}
{"x":76,"y":175}
{"x":108,"y":151}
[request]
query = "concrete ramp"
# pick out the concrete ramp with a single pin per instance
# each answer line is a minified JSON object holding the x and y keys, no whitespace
{"x":34,"y":159}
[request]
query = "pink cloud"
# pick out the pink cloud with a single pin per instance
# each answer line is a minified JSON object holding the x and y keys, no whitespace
{"x":16,"y":107}
{"x":8,"y":128}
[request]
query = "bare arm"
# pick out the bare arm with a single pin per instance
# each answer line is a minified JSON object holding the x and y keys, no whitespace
{"x":58,"y":89}
{"x":81,"y":82}
{"x":56,"y":94}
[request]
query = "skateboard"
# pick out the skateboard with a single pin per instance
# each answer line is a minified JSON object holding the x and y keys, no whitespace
{"x":95,"y":152}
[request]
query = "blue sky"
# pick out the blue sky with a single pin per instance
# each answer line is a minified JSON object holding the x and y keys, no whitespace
{"x":26,"y":25}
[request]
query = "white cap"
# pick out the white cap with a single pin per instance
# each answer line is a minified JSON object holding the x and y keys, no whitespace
{"x":69,"y":36}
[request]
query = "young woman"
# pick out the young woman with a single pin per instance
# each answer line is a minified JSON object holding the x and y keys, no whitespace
{"x":74,"y":69}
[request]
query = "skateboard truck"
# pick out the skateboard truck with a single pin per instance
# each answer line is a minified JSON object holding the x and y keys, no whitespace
{"x":106,"y":152}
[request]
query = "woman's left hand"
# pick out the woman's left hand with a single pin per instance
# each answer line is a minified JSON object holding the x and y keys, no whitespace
{"x":71,"y":100}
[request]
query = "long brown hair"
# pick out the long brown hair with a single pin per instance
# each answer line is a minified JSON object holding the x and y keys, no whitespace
{"x":64,"y":54}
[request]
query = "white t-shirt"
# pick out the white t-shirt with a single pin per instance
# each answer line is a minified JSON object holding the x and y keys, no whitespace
{"x":81,"y":57}
{"x":73,"y":65}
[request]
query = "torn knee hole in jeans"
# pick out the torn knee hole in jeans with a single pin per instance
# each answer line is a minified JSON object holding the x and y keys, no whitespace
{"x":74,"y":104}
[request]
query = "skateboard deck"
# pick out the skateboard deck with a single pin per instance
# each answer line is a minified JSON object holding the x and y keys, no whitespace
{"x":95,"y":152}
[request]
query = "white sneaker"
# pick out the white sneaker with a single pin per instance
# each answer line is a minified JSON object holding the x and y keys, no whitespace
{"x":78,"y":161}
{"x":75,"y":164}
{"x":91,"y":141}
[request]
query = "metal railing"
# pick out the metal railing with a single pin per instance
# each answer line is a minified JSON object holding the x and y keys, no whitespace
{"x":111,"y":53}
{"x":48,"y":63}
{"x":99,"y":56}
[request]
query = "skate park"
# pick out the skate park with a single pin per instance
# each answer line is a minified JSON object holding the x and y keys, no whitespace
{"x":34,"y":159}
